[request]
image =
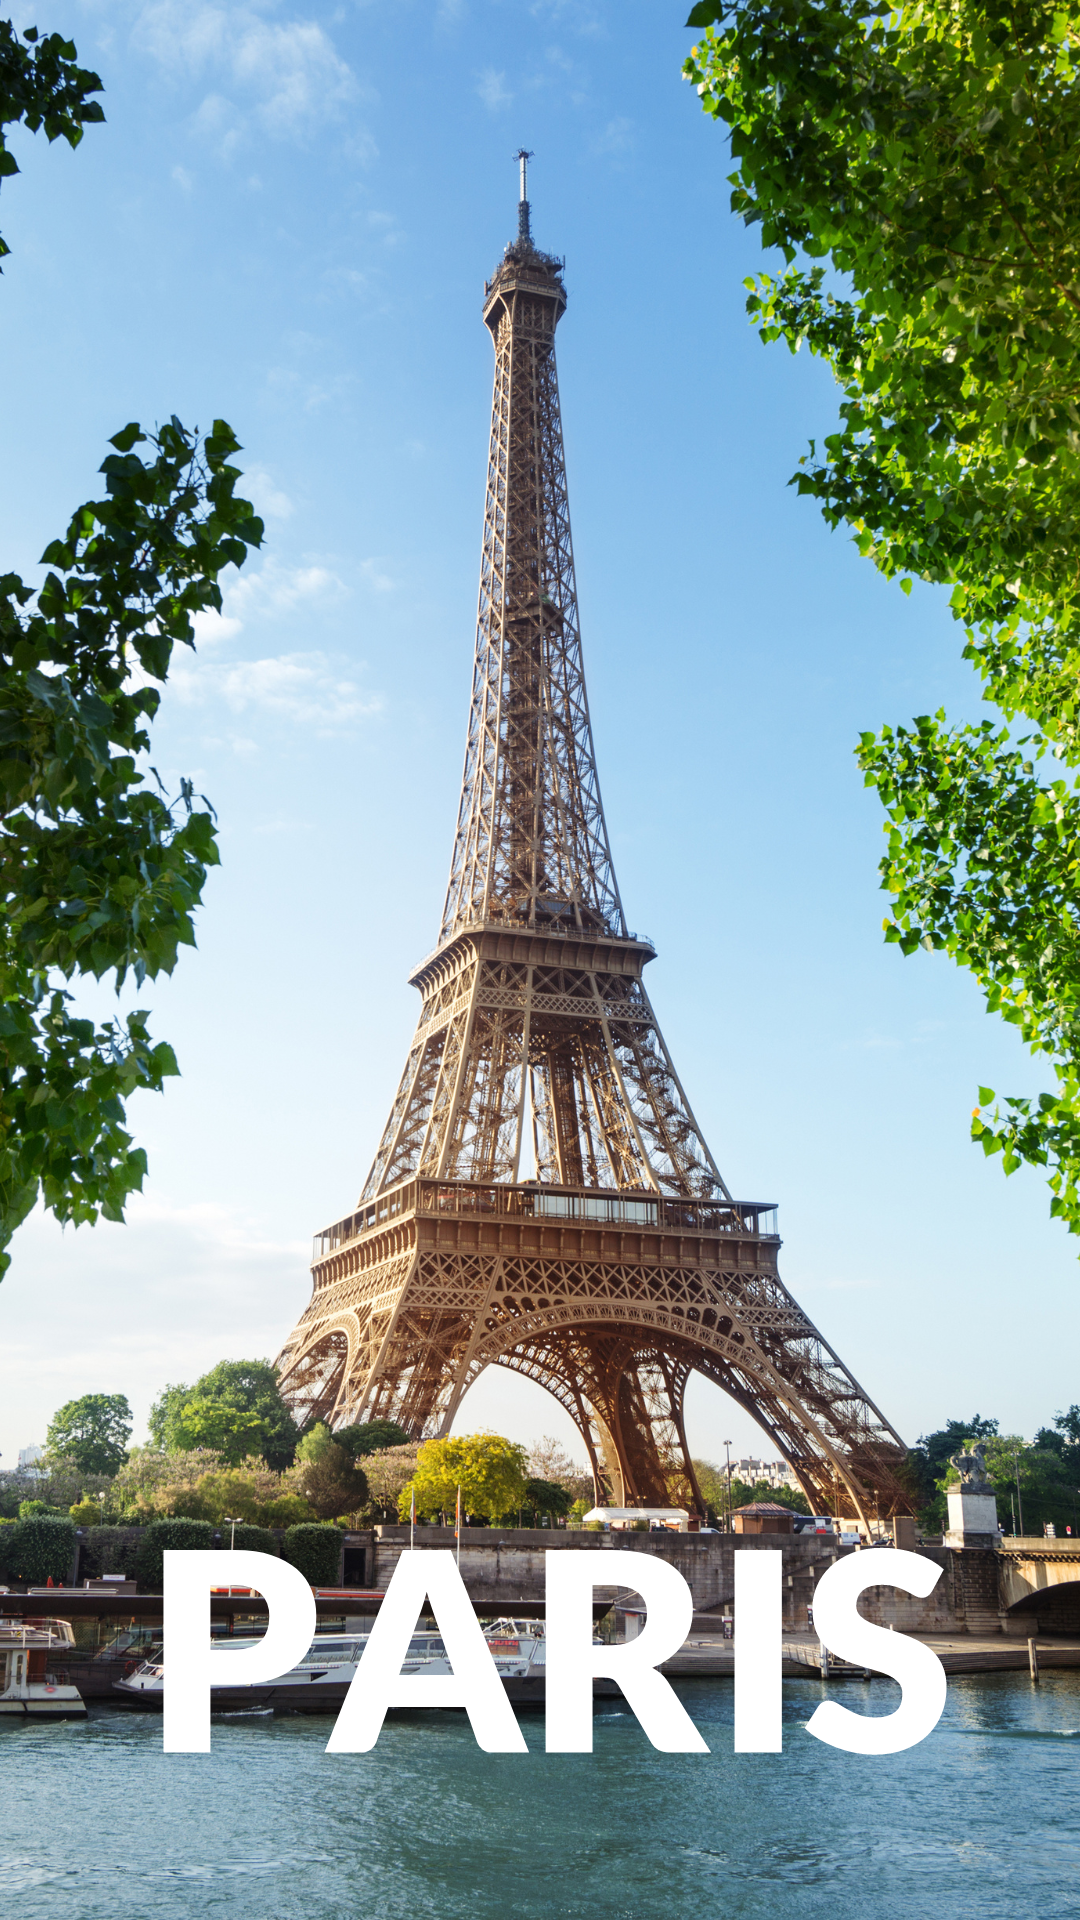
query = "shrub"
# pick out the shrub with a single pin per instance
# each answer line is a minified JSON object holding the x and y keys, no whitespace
{"x":169,"y":1536}
{"x":252,"y":1539}
{"x":316,"y":1551}
{"x":39,"y":1548}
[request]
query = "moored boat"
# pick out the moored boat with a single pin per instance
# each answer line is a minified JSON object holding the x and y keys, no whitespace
{"x":320,"y":1681}
{"x":27,"y":1691}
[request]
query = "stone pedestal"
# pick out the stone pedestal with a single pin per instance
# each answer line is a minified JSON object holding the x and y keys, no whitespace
{"x":973,"y":1520}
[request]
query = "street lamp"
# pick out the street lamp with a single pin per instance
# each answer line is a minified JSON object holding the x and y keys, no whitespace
{"x":1019,"y":1502}
{"x":727,"y":1458}
{"x":233,"y":1524}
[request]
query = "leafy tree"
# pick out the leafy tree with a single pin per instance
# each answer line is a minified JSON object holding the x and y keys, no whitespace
{"x":1047,"y":1491}
{"x":253,"y":1492}
{"x":927,"y":1465}
{"x":153,"y":1485}
{"x":371,"y":1437}
{"x":101,"y":872}
{"x":235,"y":1409}
{"x":93,"y":1431}
{"x":41,"y":85}
{"x":388,"y":1472}
{"x":489,"y":1470}
{"x":39,"y":1548}
{"x":85,"y":1513}
{"x":547,"y":1497}
{"x":548,"y":1460}
{"x":927,"y":156}
{"x":327,"y":1476}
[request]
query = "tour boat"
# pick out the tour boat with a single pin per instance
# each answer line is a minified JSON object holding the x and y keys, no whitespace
{"x":26,"y":1691}
{"x":320,"y":1681}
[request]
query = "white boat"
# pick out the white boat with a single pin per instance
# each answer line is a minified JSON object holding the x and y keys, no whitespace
{"x":26,"y":1691}
{"x":320,"y":1681}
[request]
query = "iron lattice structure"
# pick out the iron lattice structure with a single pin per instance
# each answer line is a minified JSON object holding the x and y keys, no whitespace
{"x":621,"y":1264}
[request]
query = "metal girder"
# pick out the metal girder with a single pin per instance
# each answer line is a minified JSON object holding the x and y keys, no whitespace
{"x":537,"y":1042}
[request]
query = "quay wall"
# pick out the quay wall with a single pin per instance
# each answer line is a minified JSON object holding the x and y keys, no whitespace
{"x":503,"y":1567}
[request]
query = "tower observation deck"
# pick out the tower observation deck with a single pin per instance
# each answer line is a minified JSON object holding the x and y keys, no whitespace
{"x":542,"y":1197}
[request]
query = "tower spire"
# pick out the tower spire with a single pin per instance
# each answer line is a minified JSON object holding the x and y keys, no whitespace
{"x":524,"y":232}
{"x":543,"y":1198}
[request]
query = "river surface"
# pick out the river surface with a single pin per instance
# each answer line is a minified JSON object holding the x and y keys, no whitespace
{"x":982,"y":1820}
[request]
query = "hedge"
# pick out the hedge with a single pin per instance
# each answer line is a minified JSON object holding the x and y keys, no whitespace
{"x":169,"y":1536}
{"x":252,"y":1539}
{"x":38,"y":1549}
{"x":315,"y":1550}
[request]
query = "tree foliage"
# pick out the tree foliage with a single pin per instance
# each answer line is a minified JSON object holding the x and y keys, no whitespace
{"x":235,"y":1410}
{"x":927,"y":155}
{"x":371,"y":1436}
{"x":93,"y":1431}
{"x":547,"y":1497}
{"x":101,"y":872}
{"x":42,"y":86}
{"x":1035,"y":1481}
{"x":490,"y":1471}
{"x":330,"y":1481}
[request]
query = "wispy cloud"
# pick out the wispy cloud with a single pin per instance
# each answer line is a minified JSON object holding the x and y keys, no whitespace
{"x":493,"y":89}
{"x":616,"y":138}
{"x":310,"y":689}
{"x":266,"y":496}
{"x":286,"y":75}
{"x":307,"y":689}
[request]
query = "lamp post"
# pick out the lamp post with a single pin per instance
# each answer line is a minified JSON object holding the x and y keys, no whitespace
{"x":1019,"y":1502}
{"x":233,"y":1524}
{"x":727,"y":1460}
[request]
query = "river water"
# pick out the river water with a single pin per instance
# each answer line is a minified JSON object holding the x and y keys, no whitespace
{"x":982,"y":1819}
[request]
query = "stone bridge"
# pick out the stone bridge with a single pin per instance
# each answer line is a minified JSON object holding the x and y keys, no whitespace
{"x":1040,"y":1585}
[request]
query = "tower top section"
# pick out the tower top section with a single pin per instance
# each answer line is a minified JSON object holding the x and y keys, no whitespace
{"x":523,"y":268}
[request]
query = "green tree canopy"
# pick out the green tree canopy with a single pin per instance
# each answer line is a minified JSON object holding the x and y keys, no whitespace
{"x":371,"y":1436}
{"x":927,"y":1464}
{"x":328,"y":1477}
{"x":917,"y":169}
{"x":235,"y":1410}
{"x":547,"y":1496}
{"x":42,"y":85}
{"x":489,"y":1470}
{"x":93,"y":1431}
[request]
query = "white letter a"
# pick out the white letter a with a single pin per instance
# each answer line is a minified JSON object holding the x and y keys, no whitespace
{"x":379,"y":1682}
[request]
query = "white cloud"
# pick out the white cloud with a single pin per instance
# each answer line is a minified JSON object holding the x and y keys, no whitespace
{"x":310,"y":689}
{"x":303,"y":688}
{"x":617,"y":137}
{"x":288,"y":73}
{"x":267,"y":498}
{"x":493,"y":90}
{"x":373,"y":574}
{"x":183,"y":178}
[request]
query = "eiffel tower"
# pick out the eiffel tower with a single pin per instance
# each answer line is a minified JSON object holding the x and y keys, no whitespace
{"x":542,"y":1197}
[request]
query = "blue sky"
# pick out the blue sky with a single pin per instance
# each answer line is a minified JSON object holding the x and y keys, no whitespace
{"x":286,"y":221}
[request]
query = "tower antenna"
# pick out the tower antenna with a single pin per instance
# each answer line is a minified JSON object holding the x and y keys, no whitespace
{"x":525,"y":238}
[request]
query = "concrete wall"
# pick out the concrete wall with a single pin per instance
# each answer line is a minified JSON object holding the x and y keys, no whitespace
{"x":504,"y":1568}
